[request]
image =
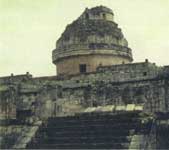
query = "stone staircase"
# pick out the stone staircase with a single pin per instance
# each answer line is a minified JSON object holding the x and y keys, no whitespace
{"x":90,"y":131}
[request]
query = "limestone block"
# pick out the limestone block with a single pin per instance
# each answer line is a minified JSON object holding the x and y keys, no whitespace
{"x":120,"y":108}
{"x":25,"y":140}
{"x":3,"y":88}
{"x":98,"y":109}
{"x":108,"y":108}
{"x":38,"y":123}
{"x":20,"y":146}
{"x":138,"y":108}
{"x":130,"y":107}
{"x":32,"y":131}
{"x":137,"y":142}
{"x":90,"y":109}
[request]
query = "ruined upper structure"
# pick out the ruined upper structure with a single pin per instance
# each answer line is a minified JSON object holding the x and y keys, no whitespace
{"x":92,"y":40}
{"x":41,"y":112}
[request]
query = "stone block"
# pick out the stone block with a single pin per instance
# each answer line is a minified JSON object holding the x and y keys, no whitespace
{"x":90,"y":109}
{"x":120,"y":108}
{"x":138,"y":108}
{"x":98,"y":109}
{"x":130,"y":107}
{"x":108,"y":108}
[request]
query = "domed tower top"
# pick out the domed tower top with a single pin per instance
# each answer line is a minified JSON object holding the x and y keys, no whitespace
{"x":98,"y":13}
{"x":93,"y":39}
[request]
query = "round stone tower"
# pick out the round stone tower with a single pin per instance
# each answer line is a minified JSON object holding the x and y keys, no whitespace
{"x":92,"y":40}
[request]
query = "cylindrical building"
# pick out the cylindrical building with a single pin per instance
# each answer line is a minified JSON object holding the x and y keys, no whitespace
{"x":92,"y":40}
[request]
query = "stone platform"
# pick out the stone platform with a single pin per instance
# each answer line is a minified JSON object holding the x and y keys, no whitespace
{"x":93,"y":131}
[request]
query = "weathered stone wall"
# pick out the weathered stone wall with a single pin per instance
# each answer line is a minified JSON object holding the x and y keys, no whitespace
{"x":9,"y":135}
{"x":93,"y":41}
{"x":70,"y":65}
{"x":16,"y":136}
{"x":120,"y":84}
{"x":150,"y":93}
{"x":93,"y":33}
{"x":139,"y":83}
{"x":8,"y":96}
{"x":15,"y":78}
{"x":97,"y":16}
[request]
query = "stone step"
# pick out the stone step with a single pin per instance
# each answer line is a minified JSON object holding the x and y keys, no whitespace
{"x":96,"y":116}
{"x":62,"y":140}
{"x":86,"y":137}
{"x":100,"y":122}
{"x":88,"y":131}
{"x":93,"y":120}
{"x":132,"y":114}
{"x":82,"y":146}
{"x":91,"y":127}
{"x":51,"y":133}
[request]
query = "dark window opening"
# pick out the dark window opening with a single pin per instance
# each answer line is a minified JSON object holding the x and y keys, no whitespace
{"x":104,"y":16}
{"x":92,"y":46}
{"x":95,"y":104}
{"x":22,"y":114}
{"x":144,"y":73}
{"x":87,"y":16}
{"x":59,"y":108}
{"x":82,"y":68}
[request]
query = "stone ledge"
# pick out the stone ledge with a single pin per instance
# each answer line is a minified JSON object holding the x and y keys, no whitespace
{"x":56,"y":55}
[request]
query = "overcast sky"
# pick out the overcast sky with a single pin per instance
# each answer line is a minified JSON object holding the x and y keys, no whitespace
{"x":29,"y":30}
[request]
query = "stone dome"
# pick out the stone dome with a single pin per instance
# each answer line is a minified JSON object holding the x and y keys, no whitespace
{"x":99,"y":9}
{"x":94,"y":32}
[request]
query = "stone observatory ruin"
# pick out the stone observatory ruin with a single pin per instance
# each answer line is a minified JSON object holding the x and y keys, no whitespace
{"x":99,"y":98}
{"x":92,"y":40}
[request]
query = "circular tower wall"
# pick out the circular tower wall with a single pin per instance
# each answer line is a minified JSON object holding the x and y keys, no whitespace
{"x":92,"y":40}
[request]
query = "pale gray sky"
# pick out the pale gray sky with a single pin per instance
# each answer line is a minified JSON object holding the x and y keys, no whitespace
{"x":30,"y":28}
